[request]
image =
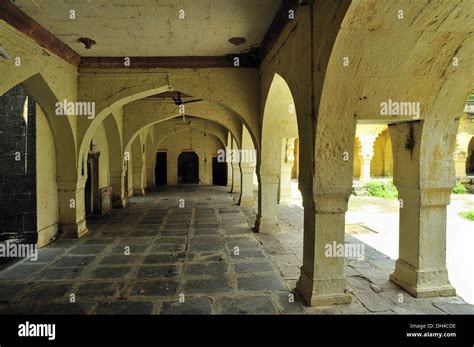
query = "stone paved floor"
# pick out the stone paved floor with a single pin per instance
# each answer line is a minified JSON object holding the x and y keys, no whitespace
{"x":148,"y":258}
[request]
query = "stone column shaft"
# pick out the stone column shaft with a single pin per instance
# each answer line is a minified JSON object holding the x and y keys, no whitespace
{"x":285,"y":182}
{"x":267,"y":217}
{"x":235,"y":178}
{"x":287,"y":160}
{"x":138,"y":182}
{"x":72,"y":214}
{"x":246,"y":193}
{"x":322,"y":280}
{"x":460,"y":162}
{"x":366,"y":153}
{"x":150,"y":176}
{"x":229,"y":174}
{"x":421,"y":266}
{"x":118,"y":189}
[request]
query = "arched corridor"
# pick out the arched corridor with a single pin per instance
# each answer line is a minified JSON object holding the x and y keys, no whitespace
{"x":234,"y":171}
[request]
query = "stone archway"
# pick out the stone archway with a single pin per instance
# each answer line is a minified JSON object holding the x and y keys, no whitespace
{"x":150,"y":157}
{"x":470,"y":158}
{"x":188,"y":168}
{"x":116,"y":160}
{"x":205,"y":143}
{"x":69,"y":189}
{"x":357,"y":80}
{"x":278,"y":128}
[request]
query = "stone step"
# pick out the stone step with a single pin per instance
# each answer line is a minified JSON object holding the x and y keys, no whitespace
{"x":359,"y":191}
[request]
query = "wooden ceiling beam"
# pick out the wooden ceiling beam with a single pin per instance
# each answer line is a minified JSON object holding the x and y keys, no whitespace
{"x":278,"y":25}
{"x":164,"y":62}
{"x":28,"y":26}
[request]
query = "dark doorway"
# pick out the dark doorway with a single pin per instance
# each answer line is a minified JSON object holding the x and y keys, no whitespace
{"x":188,"y":168}
{"x":470,"y":158}
{"x":91,"y":191}
{"x":219,"y":172}
{"x":125,"y":183}
{"x":161,"y":176}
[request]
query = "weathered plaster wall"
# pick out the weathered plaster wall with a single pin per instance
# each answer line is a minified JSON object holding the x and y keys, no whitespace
{"x":60,"y":76}
{"x":236,"y":89}
{"x":46,"y":186}
{"x":143,"y":113}
{"x":100,"y":138}
{"x":205,"y":147}
{"x":356,"y":170}
{"x":382,"y":162}
{"x":49,"y":79}
{"x":130,"y":173}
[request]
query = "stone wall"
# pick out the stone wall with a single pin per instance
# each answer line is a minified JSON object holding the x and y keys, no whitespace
{"x":18,"y":169}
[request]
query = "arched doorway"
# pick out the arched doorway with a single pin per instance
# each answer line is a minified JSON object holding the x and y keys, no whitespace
{"x":276,"y":158}
{"x":219,"y":172}
{"x":161,"y":169}
{"x":188,"y":168}
{"x":91,"y":190}
{"x":470,"y":158}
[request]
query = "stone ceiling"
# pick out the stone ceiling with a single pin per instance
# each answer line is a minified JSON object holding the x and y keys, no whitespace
{"x":153,"y":27}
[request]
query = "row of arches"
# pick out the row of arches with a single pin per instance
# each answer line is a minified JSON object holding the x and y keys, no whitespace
{"x":302,"y":91}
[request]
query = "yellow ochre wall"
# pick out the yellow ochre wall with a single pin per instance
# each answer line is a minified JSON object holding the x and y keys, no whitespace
{"x":46,"y":186}
{"x":103,"y":147}
{"x":204,"y":146}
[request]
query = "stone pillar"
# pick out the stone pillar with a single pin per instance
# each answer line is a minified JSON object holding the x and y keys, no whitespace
{"x":460,"y":161}
{"x":235,"y":178}
{"x":461,"y":153}
{"x":246,"y":193}
{"x":288,"y":158}
{"x":322,"y":280}
{"x":138,"y":181}
{"x":150,"y":176}
{"x":366,"y":153}
{"x":229,"y":163}
{"x":421,"y":265}
{"x":267,"y":217}
{"x":72,"y":214}
{"x":118,"y":189}
{"x":229,"y":174}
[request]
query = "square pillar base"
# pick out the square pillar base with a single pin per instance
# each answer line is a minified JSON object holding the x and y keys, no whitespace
{"x":138,"y":191}
{"x":246,"y":201}
{"x":422,"y":283}
{"x":120,"y":203}
{"x":285,"y":199}
{"x":267,"y":226}
{"x":322,"y":292}
{"x":74,"y":230}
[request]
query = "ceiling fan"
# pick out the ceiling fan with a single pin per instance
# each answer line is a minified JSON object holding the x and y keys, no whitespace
{"x":178,"y":102}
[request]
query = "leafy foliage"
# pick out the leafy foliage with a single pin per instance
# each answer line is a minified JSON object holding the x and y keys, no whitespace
{"x":459,"y":188}
{"x":468,"y":215}
{"x":382,"y":189}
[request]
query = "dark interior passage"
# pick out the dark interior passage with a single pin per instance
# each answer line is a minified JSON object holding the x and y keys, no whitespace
{"x":219,"y":172}
{"x":91,"y":191}
{"x":470,"y":158}
{"x":161,"y":178}
{"x":188,"y":168}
